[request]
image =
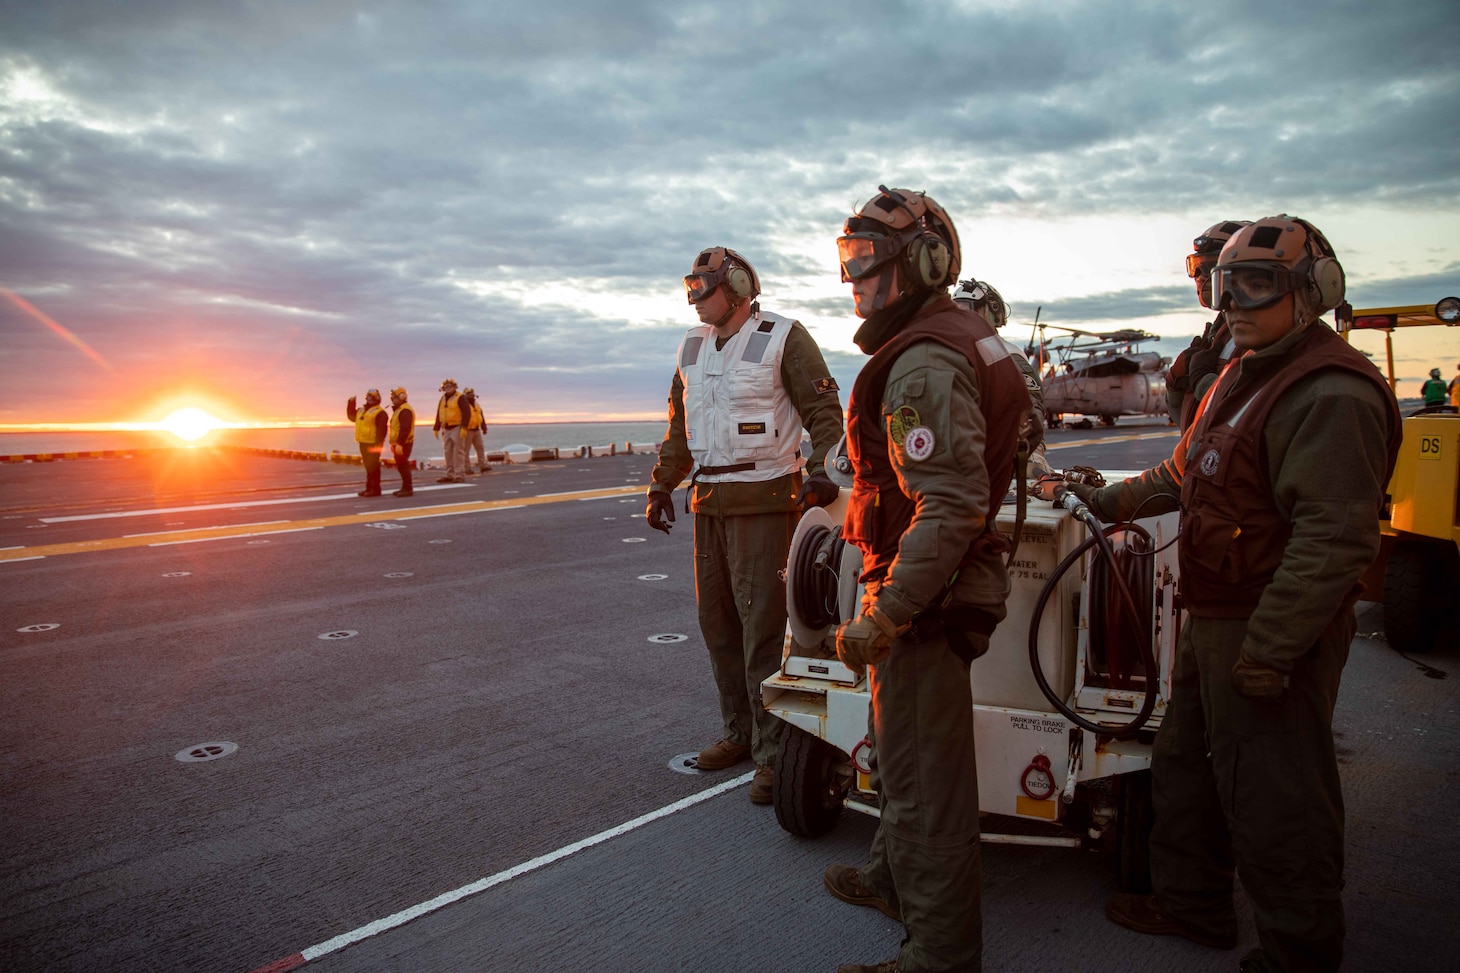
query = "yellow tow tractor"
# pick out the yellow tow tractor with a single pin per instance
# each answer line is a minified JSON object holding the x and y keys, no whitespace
{"x":1419,"y":563}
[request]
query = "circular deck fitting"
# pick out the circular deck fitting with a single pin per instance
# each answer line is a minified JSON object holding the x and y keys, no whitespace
{"x":176,"y":574}
{"x":441,"y":540}
{"x":401,"y":574}
{"x":630,"y":500}
{"x":668,"y":637}
{"x":685,"y":763}
{"x":39,"y":627}
{"x":652,"y":577}
{"x":206,"y":751}
{"x":256,"y":543}
{"x":610,"y":518}
{"x":635,"y":540}
{"x":386,"y":525}
{"x":336,"y":636}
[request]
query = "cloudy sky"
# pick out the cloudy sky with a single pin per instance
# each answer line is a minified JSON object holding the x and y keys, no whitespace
{"x":267,"y":206}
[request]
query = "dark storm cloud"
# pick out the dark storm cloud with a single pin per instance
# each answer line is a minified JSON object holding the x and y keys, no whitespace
{"x":332,"y":189}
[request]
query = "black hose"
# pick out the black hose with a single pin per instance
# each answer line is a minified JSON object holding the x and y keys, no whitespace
{"x":1121,"y":731}
{"x":815,"y":589}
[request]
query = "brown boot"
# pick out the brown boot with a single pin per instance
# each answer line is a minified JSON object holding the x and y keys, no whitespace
{"x":718,"y":756}
{"x":845,"y":882}
{"x":889,"y":967}
{"x":761,"y":785}
{"x":1143,"y":914}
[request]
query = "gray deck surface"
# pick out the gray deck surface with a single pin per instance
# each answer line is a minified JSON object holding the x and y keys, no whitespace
{"x":500,"y":703}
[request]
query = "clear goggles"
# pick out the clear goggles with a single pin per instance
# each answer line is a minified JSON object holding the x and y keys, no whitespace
{"x":1253,"y":286}
{"x":863,"y":253}
{"x":697,"y":287}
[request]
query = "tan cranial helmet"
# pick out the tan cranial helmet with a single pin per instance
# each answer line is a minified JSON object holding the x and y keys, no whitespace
{"x":1275,"y":256}
{"x":903,"y":225}
{"x":448,"y":383}
{"x":714,"y":266}
{"x":980,"y":296}
{"x":1203,"y":256}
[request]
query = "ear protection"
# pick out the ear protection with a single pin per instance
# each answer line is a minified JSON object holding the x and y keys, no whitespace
{"x":926,"y":259}
{"x":1325,"y":273}
{"x":733,"y":271}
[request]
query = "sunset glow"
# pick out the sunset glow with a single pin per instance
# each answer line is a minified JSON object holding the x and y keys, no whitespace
{"x":190,"y":424}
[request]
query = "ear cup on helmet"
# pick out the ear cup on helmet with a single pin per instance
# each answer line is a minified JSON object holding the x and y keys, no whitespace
{"x":739,"y":283}
{"x":1328,"y":282}
{"x":928,"y":259}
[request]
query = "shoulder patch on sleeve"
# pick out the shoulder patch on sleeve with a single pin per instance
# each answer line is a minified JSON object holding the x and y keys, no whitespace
{"x":824,"y":385}
{"x":992,"y":349}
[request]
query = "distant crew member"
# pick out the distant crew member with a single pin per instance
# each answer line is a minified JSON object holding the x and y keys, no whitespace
{"x":933,"y":430}
{"x":449,"y":427}
{"x":1280,"y":479}
{"x":476,"y":427}
{"x":402,"y":438}
{"x":1195,"y":368}
{"x":745,"y":383}
{"x":1455,"y":388}
{"x":370,"y":431}
{"x":981,"y":297}
{"x":1435,"y":391}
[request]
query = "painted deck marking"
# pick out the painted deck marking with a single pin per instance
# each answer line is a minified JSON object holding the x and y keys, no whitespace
{"x":226,"y":506}
{"x":338,"y":943}
{"x":197,"y":534}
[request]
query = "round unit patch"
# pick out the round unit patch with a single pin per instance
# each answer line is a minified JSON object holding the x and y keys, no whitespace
{"x":1209,"y":462}
{"x":919,"y":443}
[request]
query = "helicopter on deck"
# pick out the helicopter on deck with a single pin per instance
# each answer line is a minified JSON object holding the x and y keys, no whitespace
{"x":1101,"y":374}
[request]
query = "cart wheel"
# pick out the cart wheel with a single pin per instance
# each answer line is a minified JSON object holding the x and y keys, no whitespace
{"x":1133,"y":833}
{"x":1419,"y":581}
{"x":812,"y":777}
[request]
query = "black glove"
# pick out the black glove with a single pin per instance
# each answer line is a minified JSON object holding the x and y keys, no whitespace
{"x":818,"y":491}
{"x":1203,"y":362}
{"x":660,"y":511}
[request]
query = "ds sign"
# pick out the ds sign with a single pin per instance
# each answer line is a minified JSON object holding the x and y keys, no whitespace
{"x":1429,"y":447}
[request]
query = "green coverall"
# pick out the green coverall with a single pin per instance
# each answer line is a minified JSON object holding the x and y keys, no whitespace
{"x":925,"y":855}
{"x":1254,"y":784}
{"x":742,"y":539}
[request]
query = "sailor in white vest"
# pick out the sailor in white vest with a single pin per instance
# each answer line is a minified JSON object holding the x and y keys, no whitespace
{"x":746,"y":383}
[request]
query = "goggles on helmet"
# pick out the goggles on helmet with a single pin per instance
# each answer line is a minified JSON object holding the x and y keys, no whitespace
{"x":1253,"y":286}
{"x":862,"y":254}
{"x":697,"y":287}
{"x":1200,"y":264}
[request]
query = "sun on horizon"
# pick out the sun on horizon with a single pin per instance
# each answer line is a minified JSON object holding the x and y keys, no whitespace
{"x":190,"y":424}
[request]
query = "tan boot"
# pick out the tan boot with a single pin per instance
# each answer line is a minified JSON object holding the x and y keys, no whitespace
{"x":762,"y":785}
{"x":718,"y":756}
{"x":845,"y":882}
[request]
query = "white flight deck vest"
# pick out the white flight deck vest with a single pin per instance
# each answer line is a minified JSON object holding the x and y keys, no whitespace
{"x":735,"y":408}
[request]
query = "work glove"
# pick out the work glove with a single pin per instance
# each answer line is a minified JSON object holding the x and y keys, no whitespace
{"x":660,"y":511}
{"x":1254,"y":680}
{"x":818,"y":491}
{"x":1204,"y":361}
{"x":866,"y":639}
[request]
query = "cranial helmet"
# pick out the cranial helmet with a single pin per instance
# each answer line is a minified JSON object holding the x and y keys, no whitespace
{"x":399,"y":392}
{"x":1434,"y":373}
{"x":716,"y":266}
{"x":908,"y":227}
{"x":1203,"y":258}
{"x":980,"y":296}
{"x":1275,"y":256}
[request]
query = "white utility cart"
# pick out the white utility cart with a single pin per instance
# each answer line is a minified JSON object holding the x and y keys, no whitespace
{"x":1033,"y":762}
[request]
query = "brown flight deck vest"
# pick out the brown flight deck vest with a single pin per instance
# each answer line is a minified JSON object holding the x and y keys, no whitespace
{"x":878,"y":512}
{"x":1232,"y":534}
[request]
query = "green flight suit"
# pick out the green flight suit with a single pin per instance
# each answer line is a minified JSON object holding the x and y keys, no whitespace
{"x":1249,"y":784}
{"x":742,"y":539}
{"x":925,"y":855}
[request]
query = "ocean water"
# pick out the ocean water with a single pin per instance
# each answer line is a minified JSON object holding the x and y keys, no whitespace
{"x":340,"y":436}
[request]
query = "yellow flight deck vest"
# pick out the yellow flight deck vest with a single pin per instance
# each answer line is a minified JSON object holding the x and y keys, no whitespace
{"x":365,"y":425}
{"x":395,"y":424}
{"x":448,"y":410}
{"x":477,"y":420}
{"x":736,"y":412}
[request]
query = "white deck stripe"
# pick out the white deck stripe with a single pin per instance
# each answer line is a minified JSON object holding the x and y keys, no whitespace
{"x":481,"y":885}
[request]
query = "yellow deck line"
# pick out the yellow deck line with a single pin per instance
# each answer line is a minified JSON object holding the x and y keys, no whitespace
{"x":1167,"y":434}
{"x":287,"y":526}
